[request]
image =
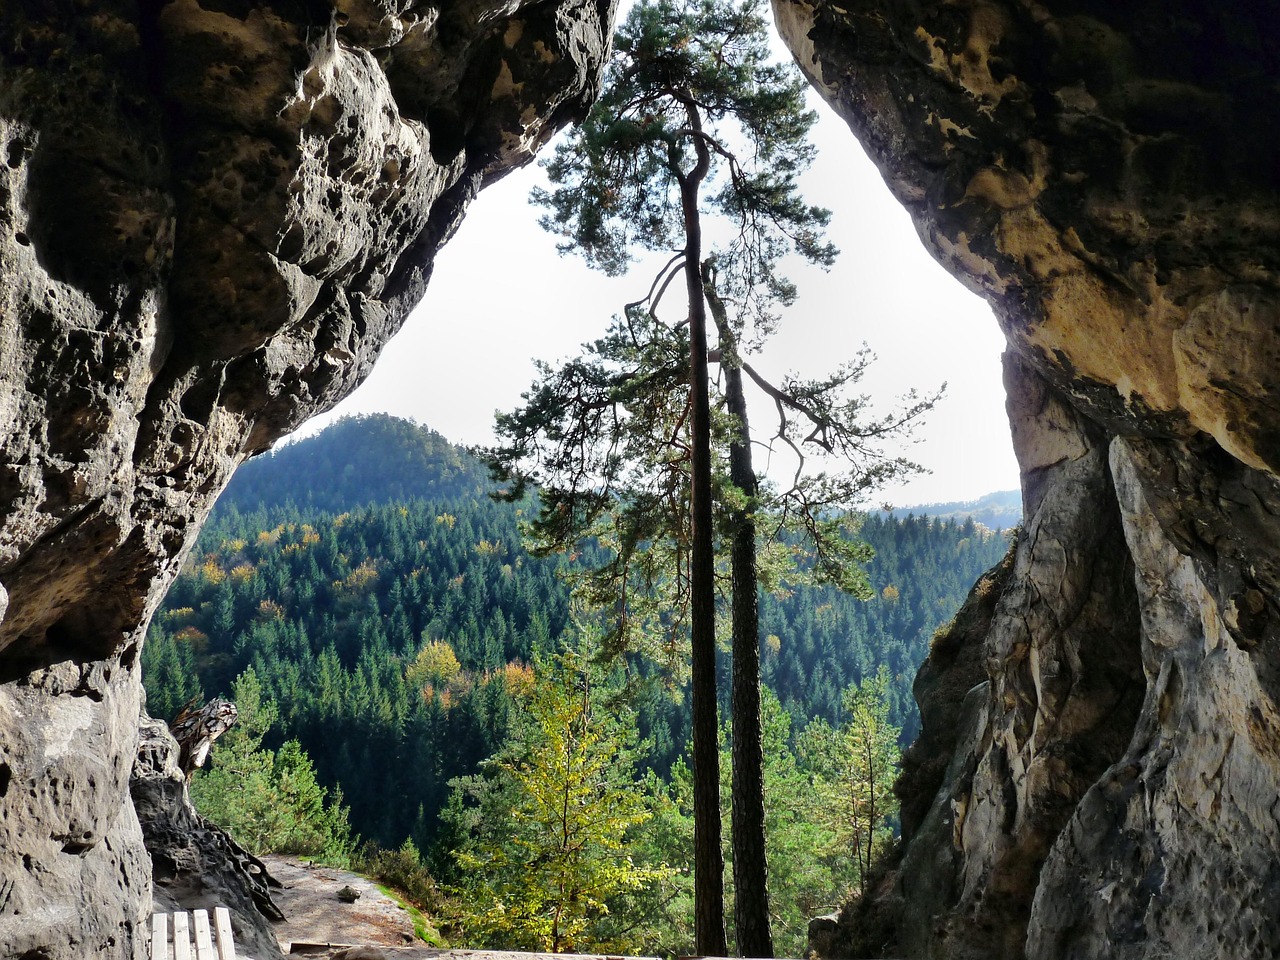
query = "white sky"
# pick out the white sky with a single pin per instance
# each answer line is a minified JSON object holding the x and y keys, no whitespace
{"x":501,"y":295}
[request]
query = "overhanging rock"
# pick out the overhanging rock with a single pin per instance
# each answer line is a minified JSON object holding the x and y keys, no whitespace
{"x":1108,"y":177}
{"x":213,"y":215}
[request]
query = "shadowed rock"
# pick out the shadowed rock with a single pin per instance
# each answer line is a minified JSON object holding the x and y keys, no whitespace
{"x":195,"y":864}
{"x":213,"y":215}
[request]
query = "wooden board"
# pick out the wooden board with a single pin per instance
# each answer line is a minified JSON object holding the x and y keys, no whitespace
{"x":226,"y":939}
{"x":181,"y":937}
{"x":160,"y":936}
{"x":204,"y":938}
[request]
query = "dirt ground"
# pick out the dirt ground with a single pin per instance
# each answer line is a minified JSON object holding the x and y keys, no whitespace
{"x":321,"y":926}
{"x":317,"y":918}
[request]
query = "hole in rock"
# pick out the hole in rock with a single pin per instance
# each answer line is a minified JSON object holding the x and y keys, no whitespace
{"x":344,"y":594}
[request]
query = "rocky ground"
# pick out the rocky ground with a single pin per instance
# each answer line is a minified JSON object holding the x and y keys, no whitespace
{"x":324,"y":923}
{"x":322,"y":919}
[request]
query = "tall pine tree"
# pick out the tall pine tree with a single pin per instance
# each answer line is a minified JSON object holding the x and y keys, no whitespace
{"x":694,"y":123}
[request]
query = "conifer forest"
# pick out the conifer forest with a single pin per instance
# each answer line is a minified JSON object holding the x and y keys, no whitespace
{"x":414,"y":683}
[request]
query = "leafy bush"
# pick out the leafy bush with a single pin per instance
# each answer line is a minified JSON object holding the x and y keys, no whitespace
{"x":404,"y":871}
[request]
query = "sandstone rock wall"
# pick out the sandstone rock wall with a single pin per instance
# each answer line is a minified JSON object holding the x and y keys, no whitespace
{"x":1107,"y":175}
{"x":213,"y":214}
{"x":196,"y":865}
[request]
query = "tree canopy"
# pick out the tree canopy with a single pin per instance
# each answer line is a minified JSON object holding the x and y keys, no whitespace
{"x":697,"y":133}
{"x":395,"y":636}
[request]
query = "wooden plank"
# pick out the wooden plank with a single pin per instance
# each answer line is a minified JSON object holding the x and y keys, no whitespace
{"x":181,"y":937}
{"x":226,"y":939}
{"x":204,"y":940}
{"x":159,"y":936}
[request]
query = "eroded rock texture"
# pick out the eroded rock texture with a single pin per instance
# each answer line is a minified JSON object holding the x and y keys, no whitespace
{"x":213,"y":214}
{"x":195,"y":864}
{"x":1108,"y":176}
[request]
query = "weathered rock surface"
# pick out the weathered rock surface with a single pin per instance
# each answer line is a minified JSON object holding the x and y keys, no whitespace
{"x":213,"y":214}
{"x":194,"y":863}
{"x":74,"y":868}
{"x":1107,"y":175}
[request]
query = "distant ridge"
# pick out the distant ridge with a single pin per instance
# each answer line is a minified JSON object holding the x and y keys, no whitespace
{"x":379,"y":458}
{"x":999,"y":510}
{"x":355,"y":462}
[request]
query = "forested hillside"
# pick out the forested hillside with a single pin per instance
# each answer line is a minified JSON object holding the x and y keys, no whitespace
{"x":357,"y":461}
{"x":387,"y":607}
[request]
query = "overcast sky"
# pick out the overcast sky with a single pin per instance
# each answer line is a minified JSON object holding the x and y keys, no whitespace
{"x":501,"y":295}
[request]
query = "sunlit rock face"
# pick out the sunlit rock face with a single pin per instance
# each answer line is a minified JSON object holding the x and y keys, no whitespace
{"x":213,"y":214}
{"x":1108,"y":176}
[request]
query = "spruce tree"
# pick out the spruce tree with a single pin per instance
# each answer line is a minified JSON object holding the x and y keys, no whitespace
{"x":855,"y":767}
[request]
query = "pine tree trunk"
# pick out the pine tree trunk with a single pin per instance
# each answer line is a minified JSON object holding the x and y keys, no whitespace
{"x":708,"y":860}
{"x":750,"y":867}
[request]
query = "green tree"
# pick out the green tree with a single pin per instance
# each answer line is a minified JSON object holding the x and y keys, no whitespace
{"x":269,"y":800}
{"x":551,"y":850}
{"x":803,"y":881}
{"x":172,"y":678}
{"x":855,"y":766}
{"x":659,"y":917}
{"x":694,"y":123}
